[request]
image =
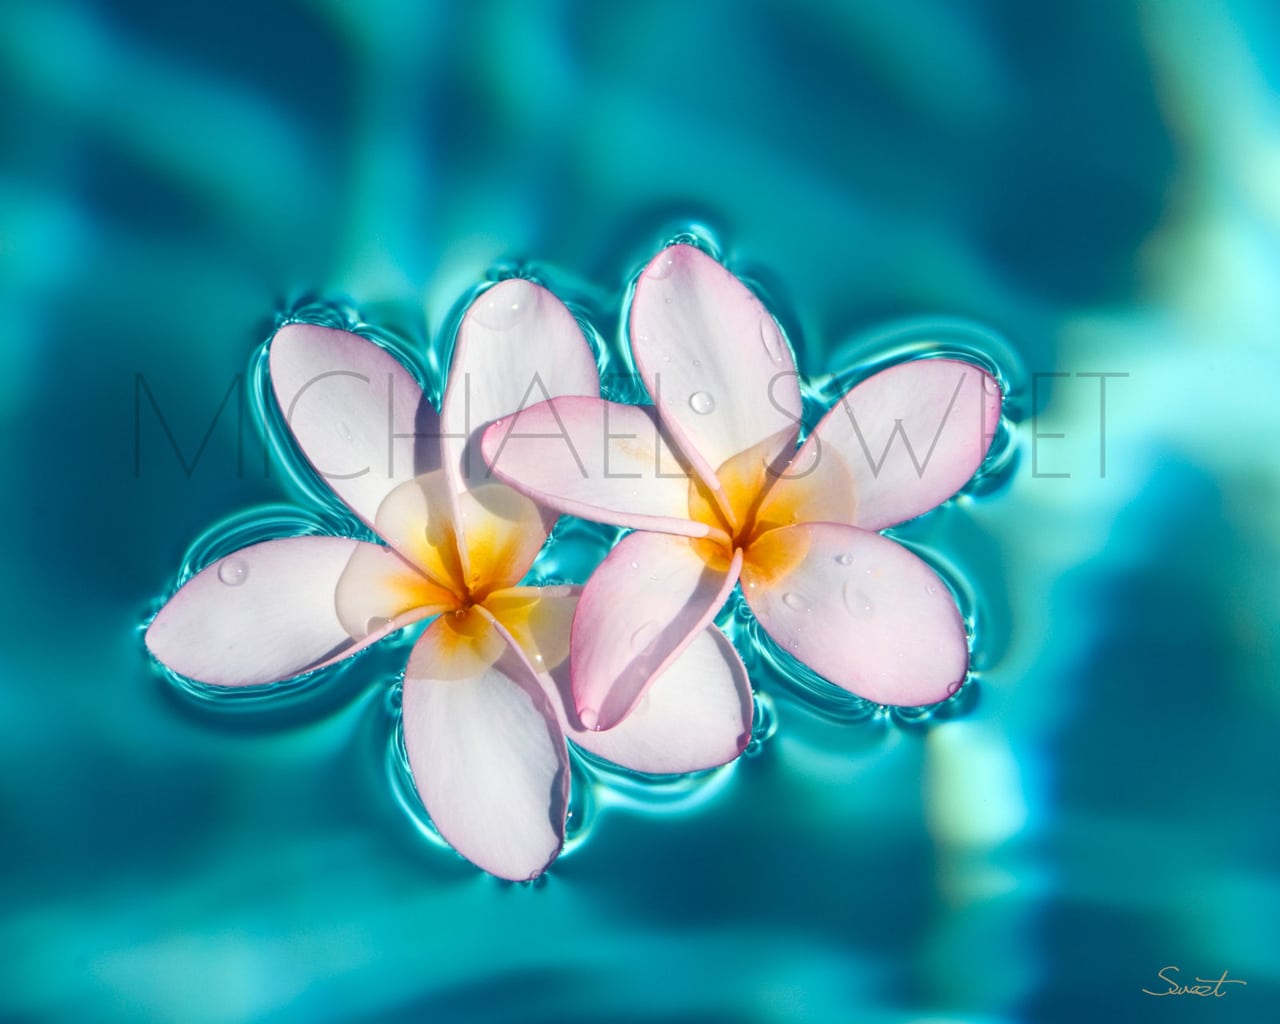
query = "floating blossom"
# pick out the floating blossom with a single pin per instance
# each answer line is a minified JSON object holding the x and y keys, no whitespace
{"x":486,"y":706}
{"x":710,"y":479}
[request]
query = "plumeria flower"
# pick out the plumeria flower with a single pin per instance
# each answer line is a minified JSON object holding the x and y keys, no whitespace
{"x":710,"y":480}
{"x":485,"y":703}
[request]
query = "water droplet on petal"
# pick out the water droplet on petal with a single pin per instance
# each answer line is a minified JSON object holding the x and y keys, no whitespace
{"x":661,"y":267}
{"x":344,"y":432}
{"x":771,"y":338}
{"x":635,"y":565}
{"x":702,"y":403}
{"x":505,"y":305}
{"x":857,"y":602}
{"x":643,"y":636}
{"x":954,"y":688}
{"x":845,"y":559}
{"x":233,"y":572}
{"x":376,"y":623}
{"x":930,"y":588}
{"x":795,"y":602}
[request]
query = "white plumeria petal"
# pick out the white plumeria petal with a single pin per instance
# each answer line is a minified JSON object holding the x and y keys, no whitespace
{"x":859,"y":609}
{"x":264,"y":613}
{"x":358,"y":415}
{"x":517,"y":345}
{"x":595,"y":459}
{"x":379,"y":586}
{"x":907,"y":438}
{"x":713,"y":359}
{"x":486,"y":750}
{"x":695,"y":715}
{"x":645,"y":603}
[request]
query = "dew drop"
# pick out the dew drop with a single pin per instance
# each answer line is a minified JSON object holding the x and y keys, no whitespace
{"x":771,"y":338}
{"x":635,"y":565}
{"x":344,"y":432}
{"x":642,"y":637}
{"x":795,"y":602}
{"x":845,"y":559}
{"x":376,"y":623}
{"x":505,"y":305}
{"x":702,"y":403}
{"x":930,"y":589}
{"x":233,"y":572}
{"x":857,"y":602}
{"x":954,"y":688}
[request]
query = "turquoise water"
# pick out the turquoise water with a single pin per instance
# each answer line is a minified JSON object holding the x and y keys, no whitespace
{"x":1088,"y":190}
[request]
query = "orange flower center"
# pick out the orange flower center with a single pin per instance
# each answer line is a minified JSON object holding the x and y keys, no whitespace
{"x":758,"y":497}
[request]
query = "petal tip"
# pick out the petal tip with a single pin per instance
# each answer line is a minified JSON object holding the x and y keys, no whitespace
{"x":285,"y":342}
{"x":151,"y":637}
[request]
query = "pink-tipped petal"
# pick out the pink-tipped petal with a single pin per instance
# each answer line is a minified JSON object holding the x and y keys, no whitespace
{"x":859,"y":609}
{"x":595,"y":459}
{"x":357,"y":414}
{"x":695,"y":715}
{"x":487,"y":753}
{"x":419,"y":519}
{"x":379,"y":587}
{"x":517,"y":345}
{"x":640,"y":609}
{"x":713,"y":359}
{"x":265,"y":613}
{"x":537,"y":622}
{"x":908,"y":437}
{"x":500,"y":533}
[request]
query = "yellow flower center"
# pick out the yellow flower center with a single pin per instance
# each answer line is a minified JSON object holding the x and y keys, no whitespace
{"x":756,"y":499}
{"x":464,"y":556}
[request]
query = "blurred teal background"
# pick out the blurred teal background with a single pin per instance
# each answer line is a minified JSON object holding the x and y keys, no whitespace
{"x":1097,"y":182}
